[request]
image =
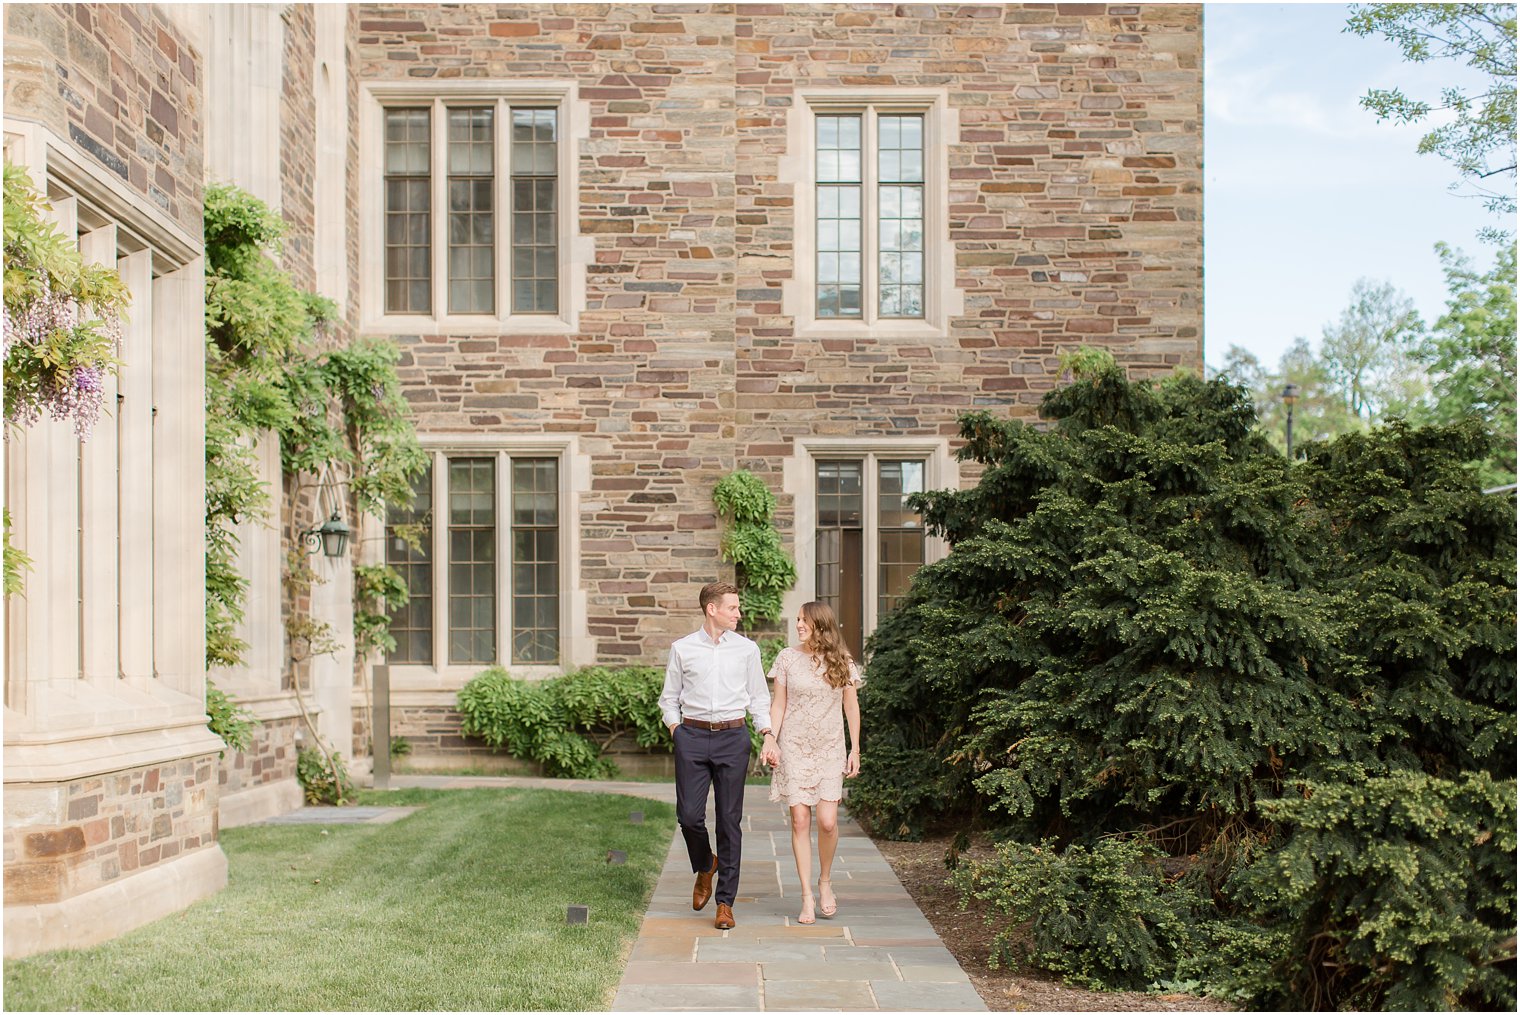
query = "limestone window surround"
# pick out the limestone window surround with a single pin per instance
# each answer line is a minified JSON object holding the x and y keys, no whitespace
{"x":798,"y":479}
{"x":942,"y":300}
{"x":105,"y":653}
{"x":435,"y":683}
{"x":576,"y":252}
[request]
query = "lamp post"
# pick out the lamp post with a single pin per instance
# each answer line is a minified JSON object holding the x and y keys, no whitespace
{"x":1289,"y":397}
{"x":331,"y":536}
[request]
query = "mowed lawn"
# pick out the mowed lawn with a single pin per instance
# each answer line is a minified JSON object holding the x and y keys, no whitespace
{"x":459,"y":906}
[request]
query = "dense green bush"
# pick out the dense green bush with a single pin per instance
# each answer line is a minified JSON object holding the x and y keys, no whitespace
{"x":1152,"y":624}
{"x":569,"y":723}
{"x":1395,"y":892}
{"x":1101,"y":917}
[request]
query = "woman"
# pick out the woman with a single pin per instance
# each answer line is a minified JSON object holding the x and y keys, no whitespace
{"x":812,"y":684}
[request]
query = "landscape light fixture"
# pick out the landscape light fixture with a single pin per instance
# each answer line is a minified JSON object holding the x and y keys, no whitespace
{"x":331,"y":536}
{"x":1289,"y":397}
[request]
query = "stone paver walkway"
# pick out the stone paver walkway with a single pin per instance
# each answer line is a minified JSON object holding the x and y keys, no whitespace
{"x":878,"y":954}
{"x":340,"y":816}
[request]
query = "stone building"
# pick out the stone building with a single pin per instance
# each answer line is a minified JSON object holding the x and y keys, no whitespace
{"x":625,"y":250}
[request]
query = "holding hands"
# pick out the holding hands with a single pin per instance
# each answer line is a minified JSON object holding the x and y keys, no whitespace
{"x":770,"y":754}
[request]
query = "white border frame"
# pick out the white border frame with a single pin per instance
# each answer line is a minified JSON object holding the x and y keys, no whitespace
{"x":942,"y":300}
{"x":575,"y":251}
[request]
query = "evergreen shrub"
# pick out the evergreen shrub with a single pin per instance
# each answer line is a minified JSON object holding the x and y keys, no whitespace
{"x":1103,"y":916}
{"x":1152,"y":625}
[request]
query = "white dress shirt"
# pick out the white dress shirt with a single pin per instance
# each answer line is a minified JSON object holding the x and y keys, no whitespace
{"x":715,"y":680}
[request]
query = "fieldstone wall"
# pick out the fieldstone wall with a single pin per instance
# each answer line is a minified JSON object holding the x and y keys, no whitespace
{"x":298,"y":146}
{"x":121,"y":83}
{"x":270,"y":758}
{"x":1074,"y":165}
{"x":64,"y":840}
{"x":433,"y":734}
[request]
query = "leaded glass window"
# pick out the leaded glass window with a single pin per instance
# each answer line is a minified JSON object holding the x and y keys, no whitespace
{"x":408,"y":212}
{"x":535,"y":560}
{"x":474,"y":160}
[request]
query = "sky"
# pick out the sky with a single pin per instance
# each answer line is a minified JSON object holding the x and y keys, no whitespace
{"x":1304,"y":191}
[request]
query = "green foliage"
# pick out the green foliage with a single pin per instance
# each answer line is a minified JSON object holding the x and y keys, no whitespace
{"x":770,"y":648}
{"x":1364,"y":370}
{"x":1470,"y":352}
{"x":324,"y":782}
{"x":254,"y":312}
{"x":400,"y":747}
{"x":568,"y":724}
{"x":62,"y":316}
{"x":764,"y":570}
{"x":1366,"y":352}
{"x":1477,"y":131}
{"x":1392,"y":893}
{"x":1152,"y":624}
{"x":229,"y":720}
{"x":340,"y":408}
{"x":379,"y":590}
{"x":380,"y":437}
{"x":1103,"y":917}
{"x":17,"y":563}
{"x":1087,"y":361}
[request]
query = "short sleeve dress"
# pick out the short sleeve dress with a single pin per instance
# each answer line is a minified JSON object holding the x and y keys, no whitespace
{"x":812,"y":731}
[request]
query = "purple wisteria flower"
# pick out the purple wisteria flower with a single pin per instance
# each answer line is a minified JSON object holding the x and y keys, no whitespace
{"x":66,"y":390}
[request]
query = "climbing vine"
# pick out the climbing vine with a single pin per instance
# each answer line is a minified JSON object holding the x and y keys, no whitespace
{"x":763,"y":569}
{"x":335,"y":411}
{"x":62,"y":316}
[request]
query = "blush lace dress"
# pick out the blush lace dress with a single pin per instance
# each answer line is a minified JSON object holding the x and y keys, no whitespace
{"x":812,"y":731}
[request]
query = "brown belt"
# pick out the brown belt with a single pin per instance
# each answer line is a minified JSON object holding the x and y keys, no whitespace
{"x":704,"y":724}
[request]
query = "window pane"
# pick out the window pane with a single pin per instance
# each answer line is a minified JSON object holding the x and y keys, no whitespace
{"x":900,"y":216}
{"x":471,"y":155}
{"x":408,"y":199}
{"x":839,"y":494}
{"x":409,"y":550}
{"x":472,"y":560}
{"x":838,"y":218}
{"x":535,"y":209}
{"x":535,"y":560}
{"x":900,"y":532}
{"x":839,"y":572}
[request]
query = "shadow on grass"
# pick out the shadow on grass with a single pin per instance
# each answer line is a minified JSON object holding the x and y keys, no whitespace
{"x":460,"y":906}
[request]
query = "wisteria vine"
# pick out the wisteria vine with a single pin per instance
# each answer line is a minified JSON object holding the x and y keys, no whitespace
{"x":62,"y":317}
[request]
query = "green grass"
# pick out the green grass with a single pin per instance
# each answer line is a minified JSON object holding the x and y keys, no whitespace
{"x":459,"y":906}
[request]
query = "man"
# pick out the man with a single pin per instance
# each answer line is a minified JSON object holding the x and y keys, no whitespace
{"x":712,"y":679}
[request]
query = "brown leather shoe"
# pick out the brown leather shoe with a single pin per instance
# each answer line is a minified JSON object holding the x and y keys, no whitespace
{"x":725,"y":920}
{"x":702,"y":890}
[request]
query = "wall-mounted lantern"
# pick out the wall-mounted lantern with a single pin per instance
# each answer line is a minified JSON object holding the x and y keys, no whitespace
{"x":331,"y":536}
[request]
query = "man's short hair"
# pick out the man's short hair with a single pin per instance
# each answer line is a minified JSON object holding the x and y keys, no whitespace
{"x":715,"y":592}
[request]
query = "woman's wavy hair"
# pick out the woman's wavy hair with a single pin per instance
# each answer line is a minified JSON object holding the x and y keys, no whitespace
{"x":828,"y":643}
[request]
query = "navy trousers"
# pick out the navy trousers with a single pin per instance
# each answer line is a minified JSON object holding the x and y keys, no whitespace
{"x":718,"y":759}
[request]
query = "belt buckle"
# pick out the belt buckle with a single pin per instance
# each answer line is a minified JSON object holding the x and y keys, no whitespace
{"x":714,"y":726}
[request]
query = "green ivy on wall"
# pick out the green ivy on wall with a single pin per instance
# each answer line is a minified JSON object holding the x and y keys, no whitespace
{"x":753,"y":545}
{"x":333,"y":411}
